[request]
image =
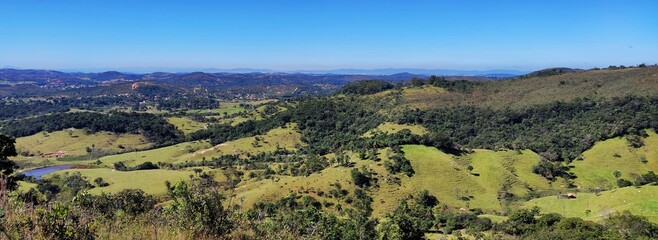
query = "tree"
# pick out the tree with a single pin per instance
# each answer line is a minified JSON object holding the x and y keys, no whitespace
{"x":617,"y":174}
{"x":520,"y":222}
{"x":360,"y":226}
{"x":197,"y":207}
{"x":100,"y":182}
{"x":629,"y":226}
{"x":417,"y":82}
{"x":359,"y":178}
{"x":426,"y":199}
{"x":7,"y":149}
{"x":410,"y":221}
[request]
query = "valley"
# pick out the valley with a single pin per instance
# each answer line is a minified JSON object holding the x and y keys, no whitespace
{"x":579,"y":144}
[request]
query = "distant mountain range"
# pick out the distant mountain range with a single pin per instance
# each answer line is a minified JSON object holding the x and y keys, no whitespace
{"x":380,"y":71}
{"x":245,"y":75}
{"x":28,"y":82}
{"x":419,"y":71}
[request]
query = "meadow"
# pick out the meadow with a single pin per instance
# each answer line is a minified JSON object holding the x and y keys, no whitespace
{"x":186,"y":124}
{"x":74,"y":142}
{"x":391,"y":128}
{"x":641,"y":201}
{"x":151,"y":181}
{"x":599,"y":163}
{"x":198,"y":150}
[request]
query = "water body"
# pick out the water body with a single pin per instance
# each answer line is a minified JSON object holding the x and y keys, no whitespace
{"x":37,"y":173}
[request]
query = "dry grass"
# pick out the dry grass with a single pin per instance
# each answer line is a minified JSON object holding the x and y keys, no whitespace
{"x":520,"y":93}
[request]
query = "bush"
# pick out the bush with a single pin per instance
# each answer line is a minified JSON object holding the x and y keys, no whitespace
{"x":198,"y":208}
{"x":623,"y":183}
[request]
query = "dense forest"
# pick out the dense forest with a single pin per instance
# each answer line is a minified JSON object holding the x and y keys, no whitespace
{"x":562,"y":130}
{"x":155,"y":128}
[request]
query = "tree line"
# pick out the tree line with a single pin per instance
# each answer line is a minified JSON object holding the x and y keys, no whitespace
{"x":153,"y":127}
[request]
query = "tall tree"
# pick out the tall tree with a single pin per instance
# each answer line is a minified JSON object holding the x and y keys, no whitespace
{"x":7,"y":149}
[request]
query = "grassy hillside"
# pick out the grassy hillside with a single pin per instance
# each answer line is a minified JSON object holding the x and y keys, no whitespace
{"x":228,"y":110}
{"x":234,"y":120}
{"x":186,"y":124}
{"x":447,"y":176}
{"x":197,"y":150}
{"x":444,"y":175}
{"x":151,"y":181}
{"x":641,"y":201}
{"x":598,"y":164}
{"x":166,"y":154}
{"x":74,"y":142}
{"x":391,"y":128}
{"x":251,"y":191}
{"x":523,"y":92}
{"x":279,"y":137}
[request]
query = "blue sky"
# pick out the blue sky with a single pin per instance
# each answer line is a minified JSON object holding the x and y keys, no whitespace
{"x":293,"y":35}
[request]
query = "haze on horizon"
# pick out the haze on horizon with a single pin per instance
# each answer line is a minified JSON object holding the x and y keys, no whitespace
{"x":293,"y":35}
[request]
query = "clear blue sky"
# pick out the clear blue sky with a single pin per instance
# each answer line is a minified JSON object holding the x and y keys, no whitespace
{"x":290,"y":35}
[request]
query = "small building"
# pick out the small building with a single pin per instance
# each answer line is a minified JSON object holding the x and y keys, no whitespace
{"x":57,"y":154}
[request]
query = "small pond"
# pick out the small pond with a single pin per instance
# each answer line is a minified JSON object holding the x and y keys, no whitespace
{"x":38,"y":172}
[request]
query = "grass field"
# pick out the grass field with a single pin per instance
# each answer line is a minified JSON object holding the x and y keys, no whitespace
{"x":25,"y":186}
{"x":196,"y":151}
{"x":391,"y":128}
{"x":641,"y":201}
{"x":505,"y":170}
{"x":598,"y":164}
{"x":166,"y":154}
{"x":75,"y":141}
{"x":186,"y":124}
{"x":419,"y":97}
{"x":228,"y":110}
{"x":282,"y":137}
{"x":234,"y":121}
{"x":230,"y":107}
{"x":251,"y":191}
{"x":151,"y":181}
{"x":442,"y":174}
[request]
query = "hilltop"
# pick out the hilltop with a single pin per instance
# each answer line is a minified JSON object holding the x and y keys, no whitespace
{"x":534,"y":89}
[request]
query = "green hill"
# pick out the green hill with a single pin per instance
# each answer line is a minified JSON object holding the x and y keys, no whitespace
{"x":198,"y":150}
{"x":533,"y":90}
{"x":604,"y":158}
{"x":74,"y":142}
{"x":151,"y":181}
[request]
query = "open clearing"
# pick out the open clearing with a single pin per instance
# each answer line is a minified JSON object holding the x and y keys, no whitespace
{"x":391,"y":128}
{"x":195,"y":151}
{"x":151,"y":181}
{"x":279,"y":137}
{"x":229,"y":111}
{"x":641,"y":201}
{"x":74,"y":142}
{"x":186,"y":124}
{"x":166,"y":154}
